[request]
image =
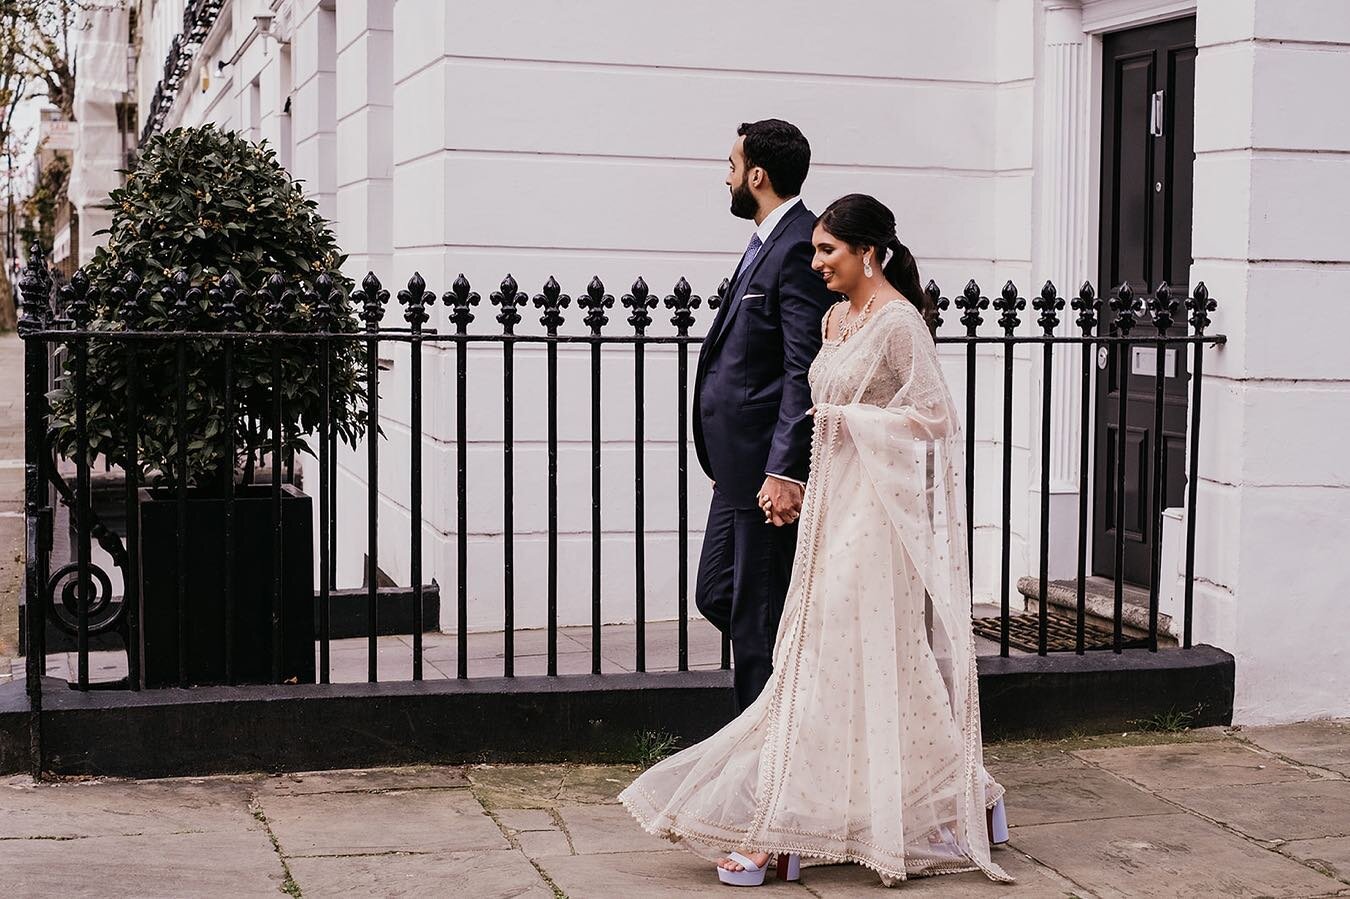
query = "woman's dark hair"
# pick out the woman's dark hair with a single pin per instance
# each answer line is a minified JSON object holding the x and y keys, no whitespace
{"x":781,"y":150}
{"x":863,"y":223}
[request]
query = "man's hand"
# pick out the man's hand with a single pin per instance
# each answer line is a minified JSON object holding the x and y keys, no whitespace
{"x":781,"y":501}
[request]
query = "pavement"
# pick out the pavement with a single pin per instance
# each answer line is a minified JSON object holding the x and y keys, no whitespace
{"x":1245,"y":812}
{"x":11,"y":492}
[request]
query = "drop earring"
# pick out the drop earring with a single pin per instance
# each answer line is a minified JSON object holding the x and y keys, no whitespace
{"x":867,"y":267}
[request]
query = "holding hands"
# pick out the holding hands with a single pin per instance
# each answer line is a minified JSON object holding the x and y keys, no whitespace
{"x":781,"y":501}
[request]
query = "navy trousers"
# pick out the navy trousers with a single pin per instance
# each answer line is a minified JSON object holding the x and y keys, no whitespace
{"x":743,"y":576}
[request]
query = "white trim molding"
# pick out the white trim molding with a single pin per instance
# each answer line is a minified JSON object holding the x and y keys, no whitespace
{"x":1101,"y":16}
{"x":1064,"y":155}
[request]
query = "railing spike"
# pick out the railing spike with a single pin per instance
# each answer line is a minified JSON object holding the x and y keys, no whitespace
{"x":595,"y":302}
{"x":1009,"y":304}
{"x":682,"y":303}
{"x":639,"y":300}
{"x":415,"y":298}
{"x":1049,"y":303}
{"x":460,"y":298}
{"x":508,"y":298}
{"x":552,"y":301}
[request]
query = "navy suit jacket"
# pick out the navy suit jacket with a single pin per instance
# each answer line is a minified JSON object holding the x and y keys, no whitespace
{"x":750,"y":393}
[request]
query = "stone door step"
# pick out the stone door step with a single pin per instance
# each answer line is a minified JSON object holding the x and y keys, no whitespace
{"x":1100,"y":604}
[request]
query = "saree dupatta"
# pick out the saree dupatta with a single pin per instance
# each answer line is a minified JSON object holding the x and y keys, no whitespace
{"x":865,"y":745}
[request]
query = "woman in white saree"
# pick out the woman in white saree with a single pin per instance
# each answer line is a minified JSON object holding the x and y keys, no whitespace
{"x":865,"y":745}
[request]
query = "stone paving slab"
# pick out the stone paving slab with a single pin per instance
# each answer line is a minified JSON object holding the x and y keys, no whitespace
{"x":854,"y":882}
{"x":1300,"y":811}
{"x":538,"y":844}
{"x":607,"y":828}
{"x":224,"y":863}
{"x":367,"y":781}
{"x":364,"y":823}
{"x":523,"y":820}
{"x":1324,"y":744}
{"x":518,"y":786}
{"x":1166,"y":856}
{"x":672,"y":874}
{"x":495,"y":874}
{"x":1331,"y":854}
{"x":596,"y":783}
{"x":1193,"y":765}
{"x":126,"y":808}
{"x":1044,"y":795}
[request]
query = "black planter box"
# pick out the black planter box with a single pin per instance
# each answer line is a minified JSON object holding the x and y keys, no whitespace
{"x":205,"y":603}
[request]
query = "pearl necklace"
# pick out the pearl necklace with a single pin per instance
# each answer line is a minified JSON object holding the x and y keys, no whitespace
{"x":848,"y":328}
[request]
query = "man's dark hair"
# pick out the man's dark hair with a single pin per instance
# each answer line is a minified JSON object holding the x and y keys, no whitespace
{"x":781,"y":150}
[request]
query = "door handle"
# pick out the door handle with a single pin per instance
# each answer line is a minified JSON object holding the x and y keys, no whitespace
{"x":1155,"y":122}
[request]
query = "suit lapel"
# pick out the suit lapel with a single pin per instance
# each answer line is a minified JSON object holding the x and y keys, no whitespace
{"x":731,"y":304}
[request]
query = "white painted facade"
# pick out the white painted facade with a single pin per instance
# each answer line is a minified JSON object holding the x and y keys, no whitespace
{"x":539,"y":138}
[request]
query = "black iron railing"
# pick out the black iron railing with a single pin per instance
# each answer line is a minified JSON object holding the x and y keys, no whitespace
{"x":76,"y":596}
{"x":198,"y":18}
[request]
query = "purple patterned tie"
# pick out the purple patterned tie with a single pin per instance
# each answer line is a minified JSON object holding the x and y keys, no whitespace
{"x":751,"y":252}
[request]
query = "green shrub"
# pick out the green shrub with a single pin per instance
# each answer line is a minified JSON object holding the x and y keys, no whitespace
{"x":209,"y":203}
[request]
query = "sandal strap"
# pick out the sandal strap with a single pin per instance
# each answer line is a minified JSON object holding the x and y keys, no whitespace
{"x":744,"y":862}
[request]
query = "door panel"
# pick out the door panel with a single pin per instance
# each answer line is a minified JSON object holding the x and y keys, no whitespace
{"x":1146,"y":197}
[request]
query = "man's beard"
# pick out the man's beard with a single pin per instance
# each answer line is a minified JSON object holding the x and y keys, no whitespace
{"x":743,"y":202}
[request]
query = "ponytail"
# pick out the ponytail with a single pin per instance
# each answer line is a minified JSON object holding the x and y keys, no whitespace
{"x":903,"y":273}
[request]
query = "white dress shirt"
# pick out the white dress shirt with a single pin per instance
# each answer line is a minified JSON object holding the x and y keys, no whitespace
{"x":764,"y":230}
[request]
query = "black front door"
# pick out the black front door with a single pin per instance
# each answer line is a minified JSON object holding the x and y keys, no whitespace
{"x":1148,"y":129}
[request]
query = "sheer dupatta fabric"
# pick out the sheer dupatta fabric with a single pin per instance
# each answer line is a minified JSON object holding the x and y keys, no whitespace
{"x":865,"y":745}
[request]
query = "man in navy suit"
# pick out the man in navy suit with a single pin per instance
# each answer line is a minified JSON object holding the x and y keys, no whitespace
{"x":751,"y":398}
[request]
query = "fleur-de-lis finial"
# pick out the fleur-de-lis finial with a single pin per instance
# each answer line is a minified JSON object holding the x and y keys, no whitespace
{"x":35,"y":291}
{"x":971,"y":303}
{"x":509,"y":298}
{"x":75,"y":298}
{"x":1009,"y":304}
{"x":1163,"y":307}
{"x":184,"y":297}
{"x":1087,"y":305}
{"x":414,"y":299}
{"x":639,"y":300}
{"x":1201,"y":306}
{"x":1049,"y":303}
{"x":460,"y":298}
{"x":322,"y":299}
{"x":223,"y":298}
{"x":715,"y":301}
{"x":276,"y":298}
{"x":127,"y":300}
{"x":373,"y":298}
{"x":595,"y":302}
{"x":937,"y":302}
{"x":1126,"y":308}
{"x":552,"y":301}
{"x":682,"y":304}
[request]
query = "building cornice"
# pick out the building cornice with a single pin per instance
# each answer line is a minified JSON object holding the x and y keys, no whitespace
{"x":1101,"y":16}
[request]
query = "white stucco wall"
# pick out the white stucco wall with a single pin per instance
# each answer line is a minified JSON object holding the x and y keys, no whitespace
{"x":537,"y":143}
{"x":1272,"y":190}
{"x":541,"y":139}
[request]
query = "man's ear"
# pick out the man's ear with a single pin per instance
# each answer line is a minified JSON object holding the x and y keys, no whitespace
{"x":757,"y":177}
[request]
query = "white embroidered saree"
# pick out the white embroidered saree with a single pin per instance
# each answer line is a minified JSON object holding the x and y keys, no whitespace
{"x":865,"y":744}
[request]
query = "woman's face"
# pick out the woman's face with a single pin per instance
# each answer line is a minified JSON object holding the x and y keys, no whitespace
{"x":840,"y":264}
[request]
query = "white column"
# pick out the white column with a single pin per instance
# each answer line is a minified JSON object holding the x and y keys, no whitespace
{"x":365,"y":136}
{"x":1061,"y":242}
{"x":314,"y":101}
{"x":1272,"y":207}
